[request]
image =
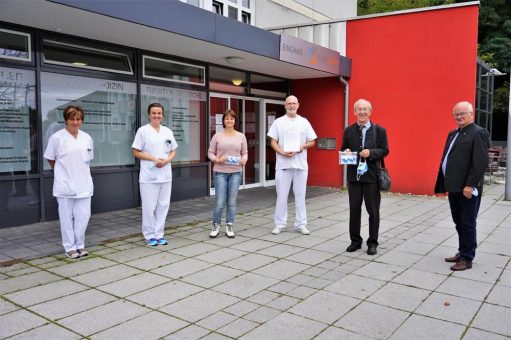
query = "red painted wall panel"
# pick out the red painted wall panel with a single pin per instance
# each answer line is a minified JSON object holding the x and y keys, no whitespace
{"x":321,"y":102}
{"x":413,"y":68}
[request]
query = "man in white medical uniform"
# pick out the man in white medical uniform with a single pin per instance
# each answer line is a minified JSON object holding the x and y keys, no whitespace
{"x":69,"y":153}
{"x":155,"y":146}
{"x":291,"y":135}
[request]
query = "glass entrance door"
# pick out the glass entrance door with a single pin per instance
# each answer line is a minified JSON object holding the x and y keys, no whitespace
{"x":255,"y":117}
{"x":272,"y":110}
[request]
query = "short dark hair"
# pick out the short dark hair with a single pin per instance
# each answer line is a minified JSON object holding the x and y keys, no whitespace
{"x":229,"y":113}
{"x":155,"y":105}
{"x":71,"y":111}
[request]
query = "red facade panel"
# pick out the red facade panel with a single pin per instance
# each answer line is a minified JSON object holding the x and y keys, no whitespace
{"x":413,"y":68}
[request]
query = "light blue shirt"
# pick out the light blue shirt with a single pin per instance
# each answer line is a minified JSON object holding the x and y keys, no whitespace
{"x":444,"y":163}
{"x":364,"y":128}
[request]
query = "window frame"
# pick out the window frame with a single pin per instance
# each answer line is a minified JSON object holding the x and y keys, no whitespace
{"x":45,"y":61}
{"x":145,"y":76}
{"x":29,"y":46}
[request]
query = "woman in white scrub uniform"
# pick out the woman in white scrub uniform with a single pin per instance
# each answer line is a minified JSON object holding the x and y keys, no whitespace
{"x":155,"y":146}
{"x":69,"y":153}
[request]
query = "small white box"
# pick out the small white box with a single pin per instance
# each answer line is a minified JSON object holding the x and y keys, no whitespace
{"x":347,"y":158}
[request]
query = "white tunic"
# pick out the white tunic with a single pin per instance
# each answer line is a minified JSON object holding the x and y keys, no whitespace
{"x":158,"y":144}
{"x":72,"y":156}
{"x":292,"y":126}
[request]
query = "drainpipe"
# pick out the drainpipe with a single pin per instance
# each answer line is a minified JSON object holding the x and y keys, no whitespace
{"x":346,"y":97}
{"x":507,"y":194}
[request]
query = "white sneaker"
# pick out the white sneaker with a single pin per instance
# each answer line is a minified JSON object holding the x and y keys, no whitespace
{"x":214,"y":230}
{"x":229,"y":231}
{"x":278,"y":229}
{"x":303,"y":229}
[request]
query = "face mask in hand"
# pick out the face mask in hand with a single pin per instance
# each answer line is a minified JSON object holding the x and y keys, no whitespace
{"x":362,"y":168}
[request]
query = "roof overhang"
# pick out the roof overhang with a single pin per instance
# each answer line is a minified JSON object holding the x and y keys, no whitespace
{"x":168,"y":27}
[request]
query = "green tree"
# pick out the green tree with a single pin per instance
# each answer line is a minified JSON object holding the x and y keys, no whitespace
{"x":366,"y":7}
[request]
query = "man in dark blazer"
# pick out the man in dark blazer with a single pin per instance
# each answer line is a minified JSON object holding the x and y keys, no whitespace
{"x":360,"y":137}
{"x":461,"y":175}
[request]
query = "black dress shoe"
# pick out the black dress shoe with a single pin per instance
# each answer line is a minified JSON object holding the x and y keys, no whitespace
{"x":371,"y":250}
{"x":454,"y":258}
{"x":352,"y":247}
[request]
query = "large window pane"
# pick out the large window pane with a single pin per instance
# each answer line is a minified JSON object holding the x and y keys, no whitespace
{"x":185,"y":112}
{"x":109,"y":113}
{"x":18,"y":132}
{"x":15,"y":45}
{"x":227,"y":80}
{"x":268,"y":86}
{"x":162,"y":69}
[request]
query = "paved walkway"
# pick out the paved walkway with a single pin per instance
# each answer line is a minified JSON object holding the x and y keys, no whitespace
{"x":263,"y":286}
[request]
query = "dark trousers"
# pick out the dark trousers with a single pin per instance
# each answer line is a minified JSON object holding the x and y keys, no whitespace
{"x":464,"y":214}
{"x":370,"y":194}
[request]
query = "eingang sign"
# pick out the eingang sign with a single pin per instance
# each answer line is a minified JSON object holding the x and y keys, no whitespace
{"x":307,"y":54}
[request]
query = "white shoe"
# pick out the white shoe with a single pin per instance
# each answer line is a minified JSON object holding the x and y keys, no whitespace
{"x":303,"y":229}
{"x":214,"y":230}
{"x":229,"y":231}
{"x":278,"y":229}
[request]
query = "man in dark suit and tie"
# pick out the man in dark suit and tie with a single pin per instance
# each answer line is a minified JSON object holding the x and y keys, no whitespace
{"x":360,"y":137}
{"x":461,"y":175}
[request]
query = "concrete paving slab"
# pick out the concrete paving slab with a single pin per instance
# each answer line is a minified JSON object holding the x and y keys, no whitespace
{"x":399,"y":296}
{"x":477,"y":334}
{"x":286,"y":326}
{"x":325,"y":307}
{"x":355,"y":286}
{"x":18,"y":321}
{"x":133,"y":284}
{"x":106,"y":275}
{"x":420,"y":327}
{"x":199,"y":306}
{"x":449,"y":308}
{"x":27,"y":281}
{"x":50,"y":291}
{"x":373,"y":320}
{"x":72,"y":304}
{"x":217,"y":320}
{"x":338,"y":333}
{"x":494,"y":319}
{"x":138,"y":328}
{"x":191,"y":332}
{"x":7,"y":307}
{"x":469,"y":289}
{"x":164,"y":294}
{"x":100,"y":318}
{"x":212,"y":276}
{"x":48,"y":331}
{"x":281,"y":269}
{"x":249,"y":262}
{"x":182,"y":268}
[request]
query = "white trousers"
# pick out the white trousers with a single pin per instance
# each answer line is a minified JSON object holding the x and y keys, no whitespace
{"x":74,"y":215}
{"x":155,"y":206}
{"x":283,"y":180}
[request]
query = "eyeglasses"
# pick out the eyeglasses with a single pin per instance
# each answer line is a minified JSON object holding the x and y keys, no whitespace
{"x":460,"y":114}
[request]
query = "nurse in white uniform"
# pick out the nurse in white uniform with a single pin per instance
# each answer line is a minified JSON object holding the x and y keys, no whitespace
{"x":69,"y":153}
{"x":155,"y":146}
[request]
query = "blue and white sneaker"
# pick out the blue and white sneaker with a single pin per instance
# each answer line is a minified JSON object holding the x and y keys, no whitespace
{"x":152,"y":242}
{"x":162,"y":242}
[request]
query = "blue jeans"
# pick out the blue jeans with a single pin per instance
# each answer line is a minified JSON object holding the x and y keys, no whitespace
{"x":226,"y":189}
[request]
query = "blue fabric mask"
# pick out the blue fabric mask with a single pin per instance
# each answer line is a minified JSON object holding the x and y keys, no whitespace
{"x":362,"y":168}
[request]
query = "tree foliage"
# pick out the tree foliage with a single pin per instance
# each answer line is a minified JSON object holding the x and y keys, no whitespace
{"x":381,"y":6}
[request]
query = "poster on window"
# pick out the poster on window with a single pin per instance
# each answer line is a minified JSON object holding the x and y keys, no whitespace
{"x":183,"y":110}
{"x":109,"y":107}
{"x":17,"y":101}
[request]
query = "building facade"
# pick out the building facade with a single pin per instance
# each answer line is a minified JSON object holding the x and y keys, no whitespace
{"x":115,"y":57}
